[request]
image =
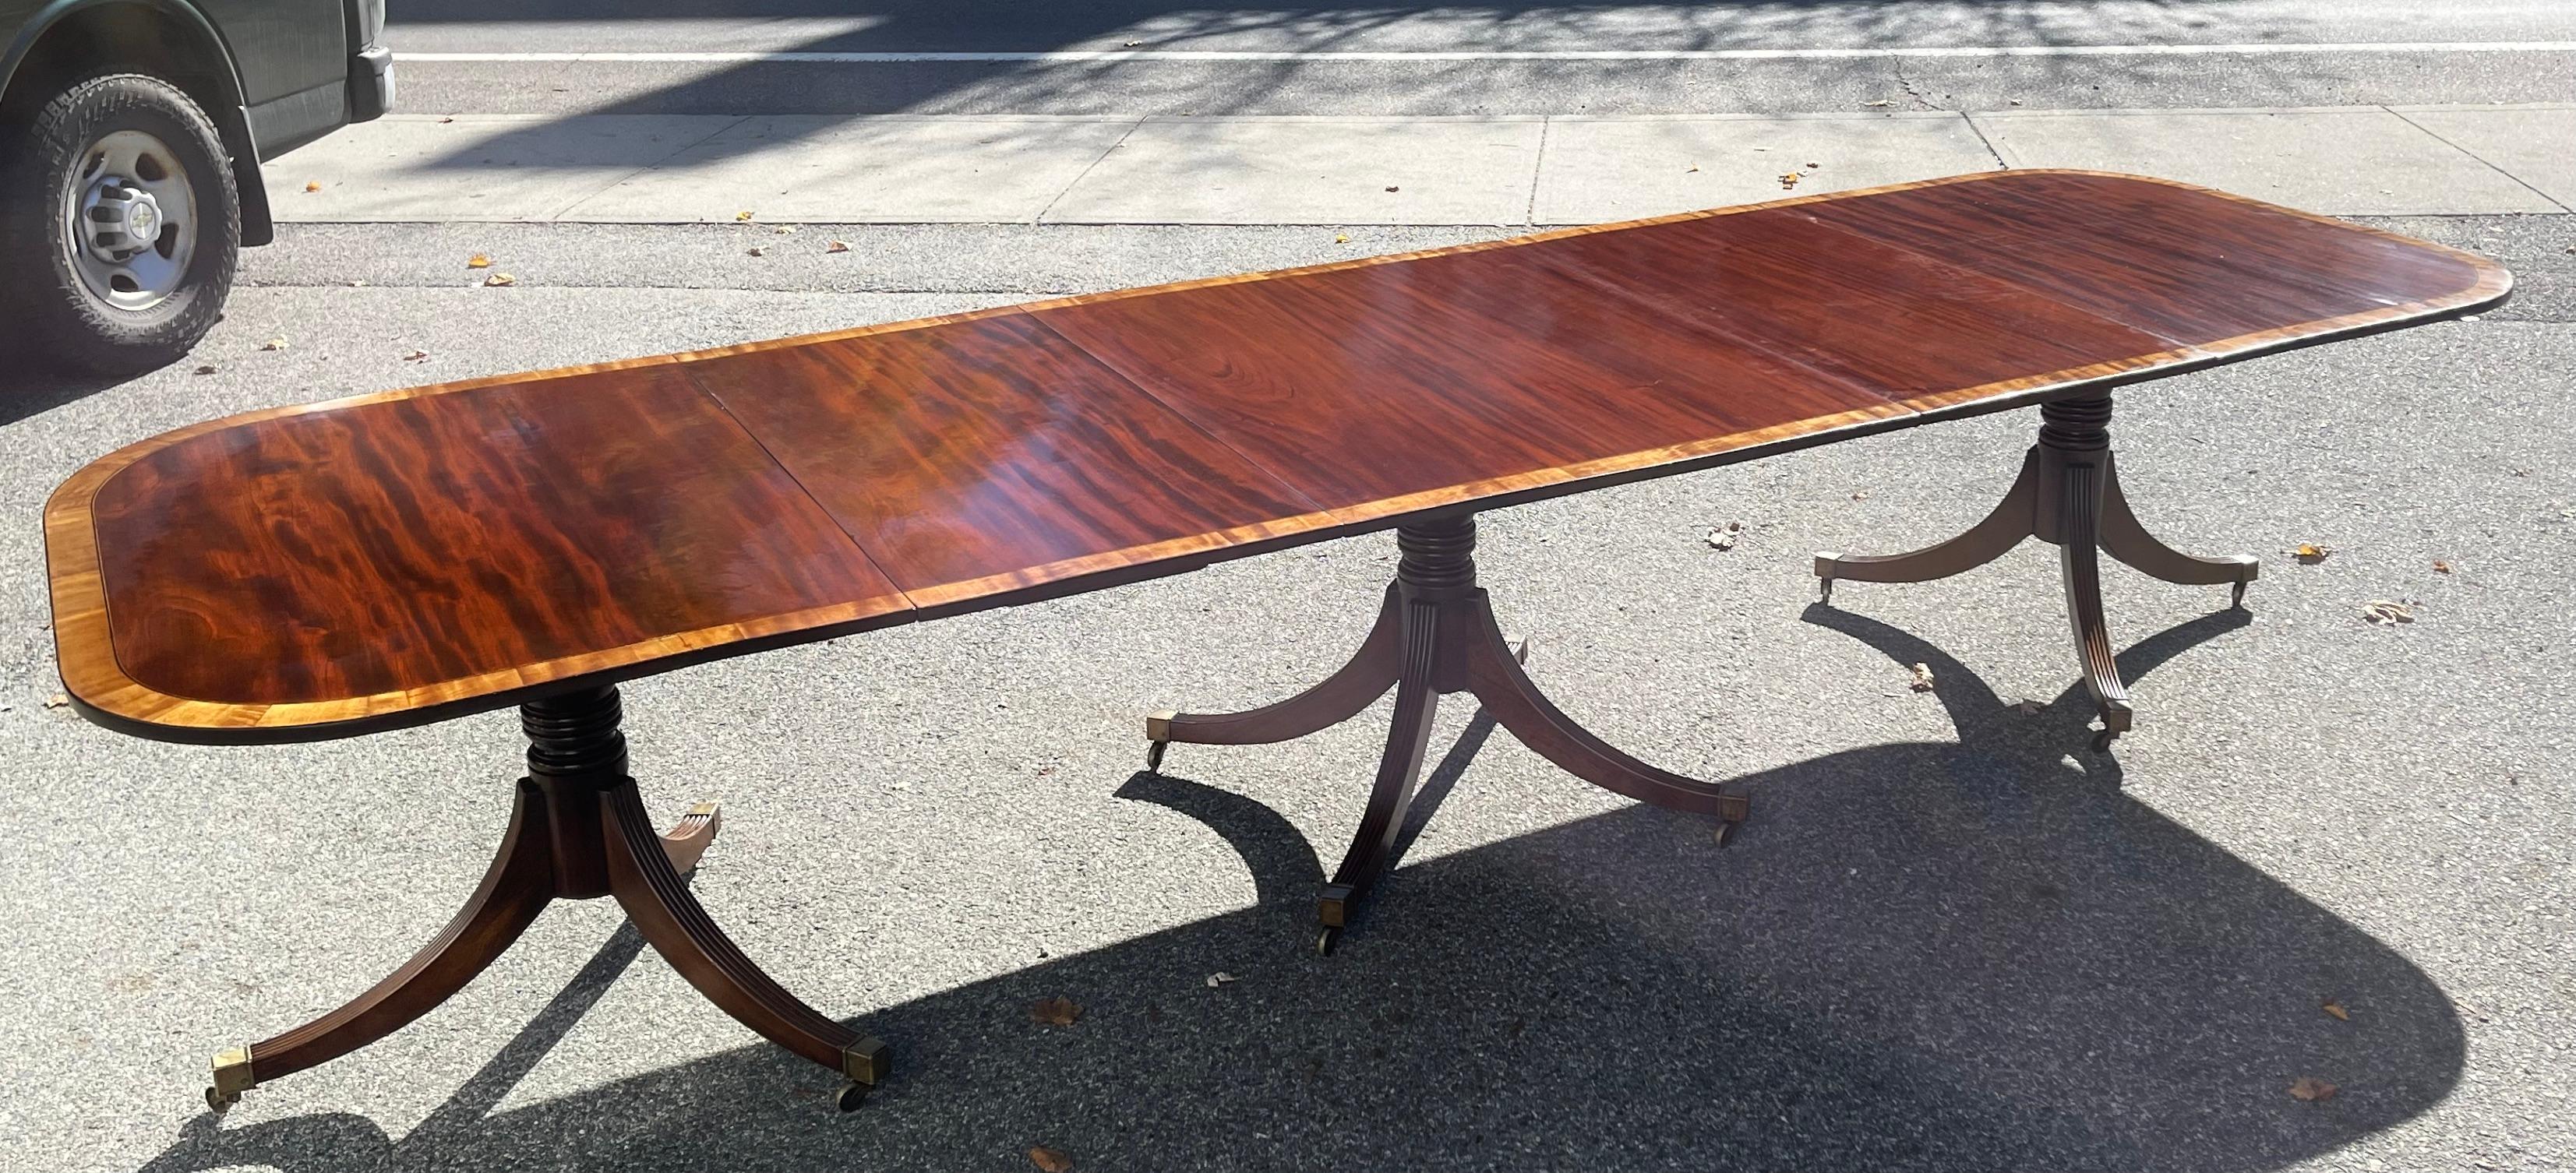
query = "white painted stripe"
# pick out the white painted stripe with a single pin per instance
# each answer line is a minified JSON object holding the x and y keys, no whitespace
{"x":1083,"y":55}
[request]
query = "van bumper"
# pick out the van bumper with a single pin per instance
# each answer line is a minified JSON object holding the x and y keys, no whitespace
{"x":371,"y":83}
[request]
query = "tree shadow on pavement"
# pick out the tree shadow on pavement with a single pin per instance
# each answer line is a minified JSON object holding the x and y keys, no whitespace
{"x":1917,"y":955}
{"x":967,"y":85}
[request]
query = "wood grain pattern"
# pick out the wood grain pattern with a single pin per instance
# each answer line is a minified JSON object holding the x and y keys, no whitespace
{"x":504,"y":536}
{"x":1385,"y":389}
{"x":2194,"y":272}
{"x":991,"y":456}
{"x":328,"y":569}
{"x":1910,"y":328}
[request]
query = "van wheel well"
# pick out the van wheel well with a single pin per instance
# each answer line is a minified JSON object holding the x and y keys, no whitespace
{"x":142,"y":38}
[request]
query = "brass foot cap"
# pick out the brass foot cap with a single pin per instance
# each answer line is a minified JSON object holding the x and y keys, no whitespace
{"x":232,"y":1078}
{"x":1332,"y":907}
{"x":867,"y":1061}
{"x":1158,"y":726}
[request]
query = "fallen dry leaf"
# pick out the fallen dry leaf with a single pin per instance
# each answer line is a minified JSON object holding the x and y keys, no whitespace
{"x":1922,"y":678}
{"x":1688,"y":170}
{"x":741,"y":216}
{"x":2336,"y":1008}
{"x":2387,"y":612}
{"x":1057,"y":1011}
{"x":1815,"y":166}
{"x":57,"y":701}
{"x":1342,"y":238}
{"x":1788,"y":180}
{"x":415,"y":355}
{"x":783,"y":230}
{"x":1390,"y":188}
{"x":478,"y":261}
{"x":1219,"y":978}
{"x":2311,"y":1089}
{"x":278,"y":343}
{"x":1051,"y":1160}
{"x":1723,"y":537}
{"x":2441,"y":567}
{"x":836,"y":246}
{"x":311,"y":185}
{"x":757,"y":251}
{"x":2310,"y":553}
{"x":500,"y":279}
{"x":207,"y":369}
{"x":1863,"y":495}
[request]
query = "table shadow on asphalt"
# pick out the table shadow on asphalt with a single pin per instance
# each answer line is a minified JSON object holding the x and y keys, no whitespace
{"x":1971,"y":954}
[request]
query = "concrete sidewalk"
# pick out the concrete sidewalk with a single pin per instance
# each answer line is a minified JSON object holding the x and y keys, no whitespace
{"x":2355,"y":160}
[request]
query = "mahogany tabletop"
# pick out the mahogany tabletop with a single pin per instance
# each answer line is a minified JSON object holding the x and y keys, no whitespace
{"x":389,"y":559}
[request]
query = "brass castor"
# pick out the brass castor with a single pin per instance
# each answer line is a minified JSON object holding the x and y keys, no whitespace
{"x":219,"y":1103}
{"x":1330,"y":936}
{"x":852,"y":1093}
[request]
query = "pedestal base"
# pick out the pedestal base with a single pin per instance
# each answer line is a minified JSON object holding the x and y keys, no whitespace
{"x":578,"y":831}
{"x":2068,"y":494}
{"x":1435,"y":635}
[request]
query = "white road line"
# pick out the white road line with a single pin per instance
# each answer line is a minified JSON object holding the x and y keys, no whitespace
{"x":1084,"y":55}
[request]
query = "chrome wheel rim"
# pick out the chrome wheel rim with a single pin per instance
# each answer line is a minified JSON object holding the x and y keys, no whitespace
{"x":132,"y":220}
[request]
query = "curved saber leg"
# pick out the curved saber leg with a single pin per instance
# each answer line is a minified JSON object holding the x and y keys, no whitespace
{"x":1417,"y":699}
{"x":1337,"y":698}
{"x":2079,"y":557}
{"x":658,"y":901}
{"x":518,"y":885}
{"x":1989,"y":539}
{"x":1506,"y":691}
{"x":2124,"y":538}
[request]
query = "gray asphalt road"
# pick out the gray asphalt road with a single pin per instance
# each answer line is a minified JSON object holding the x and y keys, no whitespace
{"x":1951,"y":937}
{"x":2285,"y":74}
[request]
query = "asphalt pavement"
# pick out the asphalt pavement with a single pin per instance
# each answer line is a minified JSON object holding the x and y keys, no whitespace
{"x":1951,"y":937}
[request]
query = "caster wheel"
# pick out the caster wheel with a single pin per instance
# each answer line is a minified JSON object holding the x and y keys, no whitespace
{"x":1725,"y":831}
{"x":2102,"y":741}
{"x":1154,"y":756}
{"x":2236,"y":598}
{"x":219,"y":1103}
{"x":851,"y":1095}
{"x":1825,"y":591}
{"x":1326,"y":939}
